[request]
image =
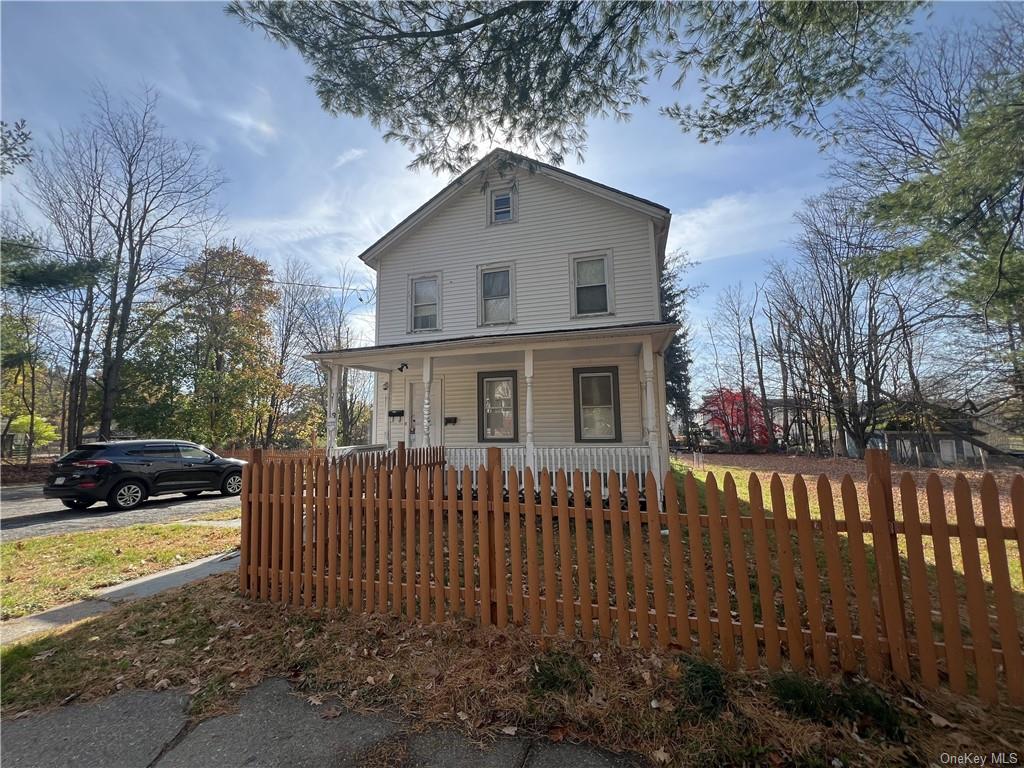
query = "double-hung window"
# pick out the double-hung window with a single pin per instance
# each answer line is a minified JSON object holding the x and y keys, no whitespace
{"x":591,"y":286}
{"x":495,"y":295}
{"x":426,"y":303}
{"x":502,"y":206}
{"x":596,"y":401}
{"x":497,"y":407}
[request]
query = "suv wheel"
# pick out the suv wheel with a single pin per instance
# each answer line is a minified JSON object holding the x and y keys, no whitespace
{"x":232,"y":485}
{"x":127,"y":495}
{"x":77,"y":503}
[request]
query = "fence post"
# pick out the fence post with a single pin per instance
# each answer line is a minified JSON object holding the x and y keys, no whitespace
{"x":497,"y":518}
{"x":883,"y":522}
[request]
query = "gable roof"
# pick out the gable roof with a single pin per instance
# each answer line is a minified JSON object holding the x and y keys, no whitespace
{"x":503,"y":159}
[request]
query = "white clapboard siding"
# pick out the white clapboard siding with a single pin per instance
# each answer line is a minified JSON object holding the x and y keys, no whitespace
{"x":553,"y":402}
{"x":554,"y":220}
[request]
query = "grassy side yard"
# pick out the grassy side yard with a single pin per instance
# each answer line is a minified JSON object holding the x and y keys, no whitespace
{"x":42,"y":572}
{"x":673,"y":708}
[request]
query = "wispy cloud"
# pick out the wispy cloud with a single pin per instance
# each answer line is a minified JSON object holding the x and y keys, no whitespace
{"x":737,"y":224}
{"x":253,"y":121}
{"x":349,"y":156}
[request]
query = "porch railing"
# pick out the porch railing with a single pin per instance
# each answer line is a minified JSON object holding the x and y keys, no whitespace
{"x":601,"y":459}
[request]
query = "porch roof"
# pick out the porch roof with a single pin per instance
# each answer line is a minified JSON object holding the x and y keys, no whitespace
{"x":661,"y":334}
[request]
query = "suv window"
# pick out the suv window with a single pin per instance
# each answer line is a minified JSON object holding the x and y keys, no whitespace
{"x":82,"y":452}
{"x":194,"y":454}
{"x":164,"y":451}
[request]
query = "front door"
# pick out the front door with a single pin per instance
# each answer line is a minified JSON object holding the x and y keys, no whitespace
{"x":436,"y":414}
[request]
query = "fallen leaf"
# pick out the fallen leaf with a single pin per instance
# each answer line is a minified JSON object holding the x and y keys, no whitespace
{"x":162,"y":685}
{"x":370,"y":680}
{"x":44,"y":655}
{"x":330,"y":713}
{"x":661,"y":756}
{"x":655,"y":704}
{"x":646,"y":676}
{"x":462,"y":716}
{"x":940,"y":721}
{"x":169,"y":641}
{"x":510,"y":730}
{"x":557,"y":733}
{"x":315,"y":700}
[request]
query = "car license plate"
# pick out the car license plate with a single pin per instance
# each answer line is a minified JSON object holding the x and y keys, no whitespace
{"x":59,"y":481}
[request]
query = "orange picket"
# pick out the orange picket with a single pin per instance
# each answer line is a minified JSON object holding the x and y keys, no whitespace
{"x":275,"y":531}
{"x":889,"y":578}
{"x":308,"y":554}
{"x":467,"y":541}
{"x":357,"y":538}
{"x":345,"y":537}
{"x":437,"y":570}
{"x":409,"y":538}
{"x":657,"y":560}
{"x":548,"y":538}
{"x":332,"y":534}
{"x":532,"y":572}
{"x":423,"y":489}
{"x":286,"y":530}
{"x":737,"y":550}
{"x":949,"y":604}
{"x":811,"y":584}
{"x":765,"y":583}
{"x":565,"y":556}
{"x":484,"y":545}
{"x":397,"y":485}
{"x":920,"y":596}
{"x":977,"y":610}
{"x":582,"y":555}
{"x":720,"y":570}
{"x":836,"y":577}
{"x":787,"y":574}
{"x":454,"y":602}
{"x":1009,"y":637}
{"x":370,"y":527}
{"x":381,"y":573}
{"x":264,"y":531}
{"x":297,"y":567}
{"x":701,"y":596}
{"x":243,"y":550}
{"x":861,"y":580}
{"x":636,"y":547}
{"x":499,"y":565}
{"x":321,"y":533}
{"x":618,"y":559}
{"x":675,"y":543}
{"x":515,"y":546}
{"x":600,"y":559}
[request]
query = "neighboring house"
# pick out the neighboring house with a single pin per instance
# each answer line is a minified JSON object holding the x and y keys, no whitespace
{"x":519,"y":307}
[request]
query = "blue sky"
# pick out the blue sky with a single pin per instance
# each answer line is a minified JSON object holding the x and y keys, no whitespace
{"x":302,"y":182}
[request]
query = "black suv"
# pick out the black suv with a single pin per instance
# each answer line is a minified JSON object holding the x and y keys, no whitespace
{"x":125,"y":472}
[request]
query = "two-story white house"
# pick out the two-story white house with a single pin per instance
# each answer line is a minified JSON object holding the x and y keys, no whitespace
{"x":519,"y":307}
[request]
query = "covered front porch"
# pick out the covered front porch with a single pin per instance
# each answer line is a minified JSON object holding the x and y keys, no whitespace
{"x":588,"y":399}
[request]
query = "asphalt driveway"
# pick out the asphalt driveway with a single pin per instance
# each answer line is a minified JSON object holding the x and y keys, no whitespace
{"x":24,"y":512}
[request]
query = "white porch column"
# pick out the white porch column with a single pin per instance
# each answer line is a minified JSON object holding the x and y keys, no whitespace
{"x":650,"y":410}
{"x":428,"y":376}
{"x":408,"y":413}
{"x":333,"y":383}
{"x":530,"y":453}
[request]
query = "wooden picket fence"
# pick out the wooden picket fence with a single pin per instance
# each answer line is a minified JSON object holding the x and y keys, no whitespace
{"x":850,"y":589}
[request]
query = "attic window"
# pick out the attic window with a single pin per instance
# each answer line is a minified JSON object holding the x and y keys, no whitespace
{"x":502,"y":206}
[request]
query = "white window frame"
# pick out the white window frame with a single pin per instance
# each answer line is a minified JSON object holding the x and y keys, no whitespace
{"x":608,"y":281}
{"x":413,"y":279}
{"x":481,"y":270}
{"x":509,"y":190}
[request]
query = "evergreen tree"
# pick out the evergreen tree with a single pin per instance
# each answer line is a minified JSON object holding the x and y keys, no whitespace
{"x":678,"y":355}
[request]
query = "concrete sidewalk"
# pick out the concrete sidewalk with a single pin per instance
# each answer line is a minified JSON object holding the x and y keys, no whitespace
{"x":273,"y":727}
{"x":108,"y":598}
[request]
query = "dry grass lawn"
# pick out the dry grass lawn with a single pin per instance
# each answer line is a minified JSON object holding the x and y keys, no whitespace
{"x":42,"y":572}
{"x":206,"y":639}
